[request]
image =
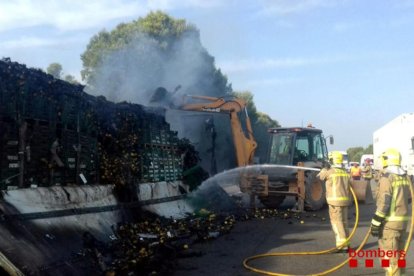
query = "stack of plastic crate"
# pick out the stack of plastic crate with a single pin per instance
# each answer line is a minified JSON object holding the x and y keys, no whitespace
{"x":39,"y":138}
{"x":160,"y":157}
{"x":9,"y":157}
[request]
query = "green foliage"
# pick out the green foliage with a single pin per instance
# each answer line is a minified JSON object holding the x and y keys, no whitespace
{"x":369,"y":149}
{"x":264,"y":119}
{"x":261,"y":122}
{"x":71,"y":79}
{"x":157,"y":50}
{"x":355,"y":154}
{"x":157,"y":25}
{"x":247,"y":96}
{"x":162,"y":26}
{"x":55,"y":69}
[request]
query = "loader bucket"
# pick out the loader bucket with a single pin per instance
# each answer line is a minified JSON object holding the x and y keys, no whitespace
{"x":362,"y":191}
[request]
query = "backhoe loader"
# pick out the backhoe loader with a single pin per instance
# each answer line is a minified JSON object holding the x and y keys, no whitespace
{"x":295,"y":154}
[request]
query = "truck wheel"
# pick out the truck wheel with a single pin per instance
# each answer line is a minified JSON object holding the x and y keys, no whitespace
{"x":273,"y":201}
{"x":314,"y":192}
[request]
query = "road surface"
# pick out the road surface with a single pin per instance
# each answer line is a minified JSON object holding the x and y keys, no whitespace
{"x":225,"y":255}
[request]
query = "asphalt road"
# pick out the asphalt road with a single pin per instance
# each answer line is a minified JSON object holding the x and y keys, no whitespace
{"x":225,"y":255}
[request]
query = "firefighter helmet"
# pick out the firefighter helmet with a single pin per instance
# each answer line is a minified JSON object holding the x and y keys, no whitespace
{"x":335,"y":158}
{"x":391,"y":157}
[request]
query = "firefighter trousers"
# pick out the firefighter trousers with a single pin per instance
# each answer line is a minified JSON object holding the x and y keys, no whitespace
{"x":339,"y":221}
{"x":393,"y":241}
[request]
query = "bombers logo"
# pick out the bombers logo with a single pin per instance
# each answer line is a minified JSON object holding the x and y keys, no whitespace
{"x":369,"y":256}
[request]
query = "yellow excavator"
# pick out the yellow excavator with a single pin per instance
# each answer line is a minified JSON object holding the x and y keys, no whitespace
{"x":295,"y":154}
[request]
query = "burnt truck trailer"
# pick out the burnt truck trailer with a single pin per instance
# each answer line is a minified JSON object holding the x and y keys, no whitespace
{"x":71,"y":162}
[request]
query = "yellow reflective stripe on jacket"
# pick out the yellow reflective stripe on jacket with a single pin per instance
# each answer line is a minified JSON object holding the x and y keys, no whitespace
{"x":338,"y":173}
{"x":368,"y":175}
{"x":397,"y":218}
{"x":338,"y":198}
{"x":398,"y":181}
{"x":380,"y":214}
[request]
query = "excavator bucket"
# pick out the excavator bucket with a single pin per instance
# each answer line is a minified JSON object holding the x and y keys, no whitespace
{"x":362,"y":191}
{"x":163,"y":96}
{"x":160,"y":94}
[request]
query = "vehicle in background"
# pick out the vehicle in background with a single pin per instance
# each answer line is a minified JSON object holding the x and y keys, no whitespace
{"x":345,"y":160}
{"x":398,"y":134}
{"x":352,"y":163}
{"x":367,"y":156}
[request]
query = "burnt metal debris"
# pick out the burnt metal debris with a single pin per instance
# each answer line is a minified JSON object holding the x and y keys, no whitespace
{"x":54,"y":133}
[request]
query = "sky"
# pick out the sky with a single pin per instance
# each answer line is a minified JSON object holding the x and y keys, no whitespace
{"x":346,"y":66}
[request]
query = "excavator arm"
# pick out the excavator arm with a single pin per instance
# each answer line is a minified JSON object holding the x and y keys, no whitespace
{"x":244,"y":142}
{"x":245,"y":145}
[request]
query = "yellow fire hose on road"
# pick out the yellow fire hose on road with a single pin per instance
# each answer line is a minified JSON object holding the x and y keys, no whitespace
{"x":407,"y":245}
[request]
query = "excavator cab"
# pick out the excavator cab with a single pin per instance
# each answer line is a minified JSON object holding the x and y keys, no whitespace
{"x":289,"y":146}
{"x":298,"y":146}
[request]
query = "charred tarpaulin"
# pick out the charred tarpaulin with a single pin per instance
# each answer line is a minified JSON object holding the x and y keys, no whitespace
{"x":54,"y":133}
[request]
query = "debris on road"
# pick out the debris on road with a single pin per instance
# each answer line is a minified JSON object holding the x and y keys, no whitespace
{"x":153,"y":244}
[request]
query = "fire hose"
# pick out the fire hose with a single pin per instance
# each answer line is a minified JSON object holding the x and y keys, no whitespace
{"x":335,"y":268}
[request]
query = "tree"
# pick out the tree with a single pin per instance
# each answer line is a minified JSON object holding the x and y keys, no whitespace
{"x":157,"y":25}
{"x":247,"y":96}
{"x":369,"y":149}
{"x":149,"y":52}
{"x":71,"y":79}
{"x":55,"y":69}
{"x":355,"y":154}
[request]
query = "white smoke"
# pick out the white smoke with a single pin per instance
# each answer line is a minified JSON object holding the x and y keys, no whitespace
{"x":134,"y":72}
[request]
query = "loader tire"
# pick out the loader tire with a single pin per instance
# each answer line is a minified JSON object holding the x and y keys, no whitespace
{"x":273,"y":201}
{"x":315,"y":192}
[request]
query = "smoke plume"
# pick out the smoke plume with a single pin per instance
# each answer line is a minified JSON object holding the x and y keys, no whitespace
{"x":135,"y":71}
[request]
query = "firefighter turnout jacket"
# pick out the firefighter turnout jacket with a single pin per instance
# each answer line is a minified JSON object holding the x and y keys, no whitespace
{"x":355,"y":171}
{"x":337,"y":185}
{"x":392,"y":198}
{"x":367,"y":172}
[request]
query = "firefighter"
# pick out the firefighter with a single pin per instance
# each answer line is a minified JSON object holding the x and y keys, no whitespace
{"x":366,"y":170}
{"x":355,"y":172}
{"x":338,"y":198}
{"x":391,"y":217}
